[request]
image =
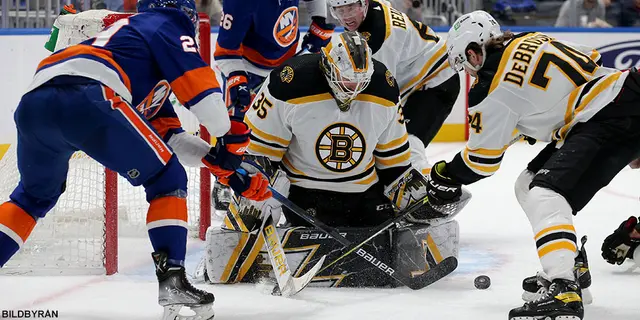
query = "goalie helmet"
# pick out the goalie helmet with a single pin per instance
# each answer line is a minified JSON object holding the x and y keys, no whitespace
{"x":350,"y":13}
{"x":348,"y":67}
{"x":476,"y":27}
{"x":186,"y":6}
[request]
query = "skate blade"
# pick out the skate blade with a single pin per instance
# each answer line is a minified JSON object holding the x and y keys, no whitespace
{"x":546,"y":318}
{"x":204,"y":312}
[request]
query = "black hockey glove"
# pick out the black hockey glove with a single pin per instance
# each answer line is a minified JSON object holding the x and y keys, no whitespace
{"x":442,"y":189}
{"x":620,"y":245}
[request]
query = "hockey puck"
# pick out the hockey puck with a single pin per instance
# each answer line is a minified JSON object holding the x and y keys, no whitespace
{"x":482,"y":282}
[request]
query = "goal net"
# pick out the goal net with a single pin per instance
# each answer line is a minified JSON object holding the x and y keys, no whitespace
{"x":80,"y":235}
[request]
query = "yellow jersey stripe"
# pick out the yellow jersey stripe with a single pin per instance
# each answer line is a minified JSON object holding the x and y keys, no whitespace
{"x":369,"y":180}
{"x":373,"y":99}
{"x":594,"y":92}
{"x":393,"y":143}
{"x":312,"y":98}
{"x":394,"y":161}
{"x":266,"y":150}
{"x":492,"y":153}
{"x":480,"y":169}
{"x":506,"y":55}
{"x":427,"y":66}
{"x":265,"y":136}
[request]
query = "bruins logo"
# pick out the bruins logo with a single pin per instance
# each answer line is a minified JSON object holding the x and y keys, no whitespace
{"x":366,"y":35}
{"x":340,"y":147}
{"x":389,"y":78}
{"x":286,"y":75}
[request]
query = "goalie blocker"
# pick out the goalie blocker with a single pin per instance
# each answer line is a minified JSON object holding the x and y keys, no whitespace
{"x":423,"y":246}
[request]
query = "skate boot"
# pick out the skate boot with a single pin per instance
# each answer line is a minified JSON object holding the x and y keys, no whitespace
{"x":221,"y":196}
{"x":561,"y":302}
{"x":536,"y":286}
{"x":176,"y":292}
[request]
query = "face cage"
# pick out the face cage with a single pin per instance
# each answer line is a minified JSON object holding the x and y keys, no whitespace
{"x":361,"y":11}
{"x":193,"y":16}
{"x":342,"y":93}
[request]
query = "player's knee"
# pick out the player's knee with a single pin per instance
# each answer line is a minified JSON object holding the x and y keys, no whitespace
{"x":36,"y":202}
{"x":521,"y":186}
{"x":170,"y":181}
{"x":545,"y":207}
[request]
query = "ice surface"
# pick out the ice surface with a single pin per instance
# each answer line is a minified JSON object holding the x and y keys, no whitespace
{"x":496,"y":240}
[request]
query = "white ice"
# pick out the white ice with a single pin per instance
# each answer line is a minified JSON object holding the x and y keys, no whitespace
{"x":496,"y":240}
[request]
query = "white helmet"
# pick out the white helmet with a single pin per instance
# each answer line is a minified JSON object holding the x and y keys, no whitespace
{"x":342,"y":13}
{"x":348,"y":66}
{"x":476,"y":27}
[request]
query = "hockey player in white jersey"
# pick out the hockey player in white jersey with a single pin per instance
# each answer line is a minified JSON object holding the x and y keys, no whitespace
{"x":331,"y":123}
{"x":534,"y":85}
{"x":417,"y":57}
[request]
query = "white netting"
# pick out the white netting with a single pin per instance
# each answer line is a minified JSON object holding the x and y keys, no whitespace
{"x":75,"y":28}
{"x":71,"y":238}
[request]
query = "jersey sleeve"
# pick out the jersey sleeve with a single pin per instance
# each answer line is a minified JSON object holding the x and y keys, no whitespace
{"x":176,"y":52}
{"x":234,"y":25}
{"x":166,"y":121}
{"x":270,"y":127}
{"x":421,"y":41}
{"x":589,"y":51}
{"x":392,"y":149}
{"x":492,"y":126}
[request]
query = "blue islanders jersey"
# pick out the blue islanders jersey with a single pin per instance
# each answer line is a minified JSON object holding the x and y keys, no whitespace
{"x":262,"y":32}
{"x":143,"y":58}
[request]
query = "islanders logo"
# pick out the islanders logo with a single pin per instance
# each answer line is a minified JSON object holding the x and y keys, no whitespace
{"x":621,"y":55}
{"x":150,"y":106}
{"x":286,"y":29}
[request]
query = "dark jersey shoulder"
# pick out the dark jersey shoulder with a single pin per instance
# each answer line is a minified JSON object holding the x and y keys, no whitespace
{"x":374,"y":26}
{"x":480,"y":89}
{"x":298,"y":77}
{"x":383,"y":84}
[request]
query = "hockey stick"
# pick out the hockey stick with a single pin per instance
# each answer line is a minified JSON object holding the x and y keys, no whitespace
{"x":287,"y":284}
{"x":434,"y":274}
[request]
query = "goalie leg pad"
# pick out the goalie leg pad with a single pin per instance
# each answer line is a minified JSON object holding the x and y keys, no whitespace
{"x":230,"y":254}
{"x":426,"y":246}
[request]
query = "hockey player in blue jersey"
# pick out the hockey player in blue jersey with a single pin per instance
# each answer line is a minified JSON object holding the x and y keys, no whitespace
{"x":256,"y":36}
{"x":83,"y":98}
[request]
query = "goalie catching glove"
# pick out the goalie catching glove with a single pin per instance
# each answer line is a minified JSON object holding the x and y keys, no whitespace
{"x":442,"y":189}
{"x":620,"y":245}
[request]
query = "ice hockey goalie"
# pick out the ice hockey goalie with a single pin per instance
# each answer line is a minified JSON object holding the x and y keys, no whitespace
{"x":326,"y":128}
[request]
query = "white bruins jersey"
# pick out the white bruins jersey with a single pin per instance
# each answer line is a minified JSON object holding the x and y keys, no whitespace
{"x":536,"y":86}
{"x":295,"y":120}
{"x":412,"y":51}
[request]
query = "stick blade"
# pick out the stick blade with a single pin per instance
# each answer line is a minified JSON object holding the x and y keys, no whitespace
{"x":441,"y":270}
{"x":302,"y":281}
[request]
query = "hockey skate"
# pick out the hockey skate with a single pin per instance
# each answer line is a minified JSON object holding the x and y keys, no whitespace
{"x":561,"y":302}
{"x":176,"y":292}
{"x":536,"y":286}
{"x":221,"y":196}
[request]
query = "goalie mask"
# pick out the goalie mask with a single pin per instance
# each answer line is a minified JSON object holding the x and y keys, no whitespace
{"x":350,"y":13}
{"x":476,"y":27}
{"x":348,"y":67}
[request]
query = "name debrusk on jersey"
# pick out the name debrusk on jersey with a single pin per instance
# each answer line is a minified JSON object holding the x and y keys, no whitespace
{"x":296,"y":120}
{"x":536,"y":86}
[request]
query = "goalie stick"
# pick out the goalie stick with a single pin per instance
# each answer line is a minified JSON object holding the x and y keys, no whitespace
{"x":434,"y":274}
{"x":288,"y":284}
